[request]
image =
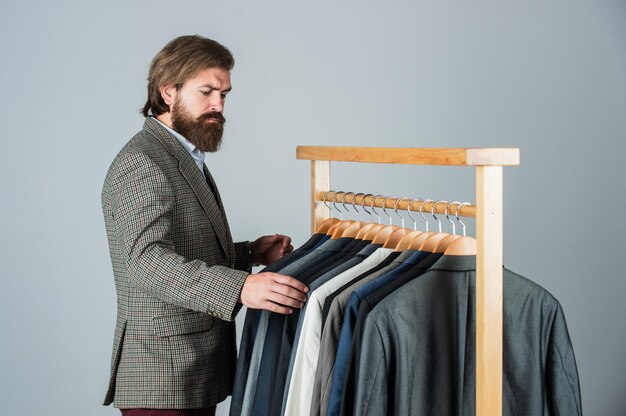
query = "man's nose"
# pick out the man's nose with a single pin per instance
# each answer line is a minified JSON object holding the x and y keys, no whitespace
{"x":217,"y":104}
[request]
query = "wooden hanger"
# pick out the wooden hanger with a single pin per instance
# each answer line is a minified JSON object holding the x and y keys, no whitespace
{"x":404,"y":242}
{"x":339,"y":228}
{"x":332,"y":228}
{"x":438,"y":242}
{"x":326,"y":224}
{"x":417,"y":242}
{"x":365,"y":226}
{"x":352,"y":230}
{"x":430,"y":244}
{"x":444,"y":243}
{"x":365,"y":229}
{"x":371,"y":232}
{"x":357,"y":229}
{"x":395,"y":237}
{"x":463,"y":246}
{"x":381,"y":236}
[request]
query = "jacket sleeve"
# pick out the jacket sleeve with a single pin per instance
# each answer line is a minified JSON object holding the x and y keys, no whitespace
{"x":562,"y":373}
{"x":142,"y":203}
{"x":242,"y":257}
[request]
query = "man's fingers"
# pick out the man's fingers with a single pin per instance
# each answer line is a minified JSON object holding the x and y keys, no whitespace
{"x":281,"y":291}
{"x":286,"y":300}
{"x":289,"y":281}
{"x":284,"y":250}
{"x":276,"y":308}
{"x":274,"y":292}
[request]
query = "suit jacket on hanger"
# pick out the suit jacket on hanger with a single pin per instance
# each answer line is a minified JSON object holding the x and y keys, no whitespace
{"x":343,"y":331}
{"x":366,"y":305}
{"x":178,"y":277}
{"x":418,"y":353}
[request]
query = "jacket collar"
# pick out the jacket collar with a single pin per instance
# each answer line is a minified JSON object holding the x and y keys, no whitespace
{"x":455,"y":263}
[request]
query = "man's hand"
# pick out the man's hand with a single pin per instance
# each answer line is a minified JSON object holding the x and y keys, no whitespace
{"x":270,"y":248}
{"x":272,"y":291}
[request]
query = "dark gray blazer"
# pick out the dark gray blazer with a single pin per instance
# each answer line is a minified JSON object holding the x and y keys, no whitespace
{"x":418,"y":349}
{"x":178,"y":277}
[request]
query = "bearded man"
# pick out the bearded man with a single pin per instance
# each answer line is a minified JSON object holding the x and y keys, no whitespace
{"x":180,"y":279}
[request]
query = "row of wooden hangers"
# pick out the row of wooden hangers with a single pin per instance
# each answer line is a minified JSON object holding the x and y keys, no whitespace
{"x":395,"y":237}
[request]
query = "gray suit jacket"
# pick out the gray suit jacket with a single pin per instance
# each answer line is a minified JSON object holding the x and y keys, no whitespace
{"x":418,"y":354}
{"x":178,"y":277}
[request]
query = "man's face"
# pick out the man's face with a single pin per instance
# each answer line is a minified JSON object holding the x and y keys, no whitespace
{"x":197,"y":108}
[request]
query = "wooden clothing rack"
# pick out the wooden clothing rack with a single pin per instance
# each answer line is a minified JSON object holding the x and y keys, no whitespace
{"x":488,"y":213}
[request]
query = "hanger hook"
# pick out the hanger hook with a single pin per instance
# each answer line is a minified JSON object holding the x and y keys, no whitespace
{"x":385,"y":210}
{"x":372,"y":206}
{"x":408,"y":211}
{"x":335,"y":205}
{"x":363,"y":206}
{"x":422,"y":211}
{"x":395,"y":208}
{"x":328,"y":206}
{"x":343,"y":203}
{"x":458,"y":211}
{"x":358,"y":213}
{"x":448,"y":218}
{"x":432,"y":212}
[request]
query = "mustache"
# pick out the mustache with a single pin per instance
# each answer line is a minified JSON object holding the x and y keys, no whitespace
{"x":213,"y":115}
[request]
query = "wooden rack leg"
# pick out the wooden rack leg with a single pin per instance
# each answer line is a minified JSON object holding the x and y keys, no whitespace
{"x":489,"y":291}
{"x":320,"y":181}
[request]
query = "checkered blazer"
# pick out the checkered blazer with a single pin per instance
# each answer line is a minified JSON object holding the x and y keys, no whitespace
{"x":178,"y":277}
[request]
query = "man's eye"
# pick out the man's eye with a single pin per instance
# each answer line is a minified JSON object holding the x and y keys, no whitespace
{"x":205,"y":92}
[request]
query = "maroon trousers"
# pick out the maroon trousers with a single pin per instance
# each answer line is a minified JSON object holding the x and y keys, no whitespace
{"x":207,"y":411}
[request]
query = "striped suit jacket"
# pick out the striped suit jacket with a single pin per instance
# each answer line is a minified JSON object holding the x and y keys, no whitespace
{"x":178,"y":276}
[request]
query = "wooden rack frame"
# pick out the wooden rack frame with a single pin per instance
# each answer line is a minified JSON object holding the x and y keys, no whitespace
{"x":488,"y":212}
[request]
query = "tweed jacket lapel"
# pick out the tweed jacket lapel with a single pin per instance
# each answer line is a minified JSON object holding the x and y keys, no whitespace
{"x":197,"y":182}
{"x":218,"y":198}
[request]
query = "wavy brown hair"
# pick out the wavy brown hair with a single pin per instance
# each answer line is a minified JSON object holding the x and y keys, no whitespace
{"x":180,"y":60}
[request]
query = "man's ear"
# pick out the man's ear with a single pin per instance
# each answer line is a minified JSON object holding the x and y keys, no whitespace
{"x":168,"y":93}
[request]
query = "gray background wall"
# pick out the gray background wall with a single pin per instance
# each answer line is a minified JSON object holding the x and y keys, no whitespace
{"x":546,"y":76}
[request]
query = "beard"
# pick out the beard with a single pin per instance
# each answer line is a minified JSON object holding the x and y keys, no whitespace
{"x":205,"y":135}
